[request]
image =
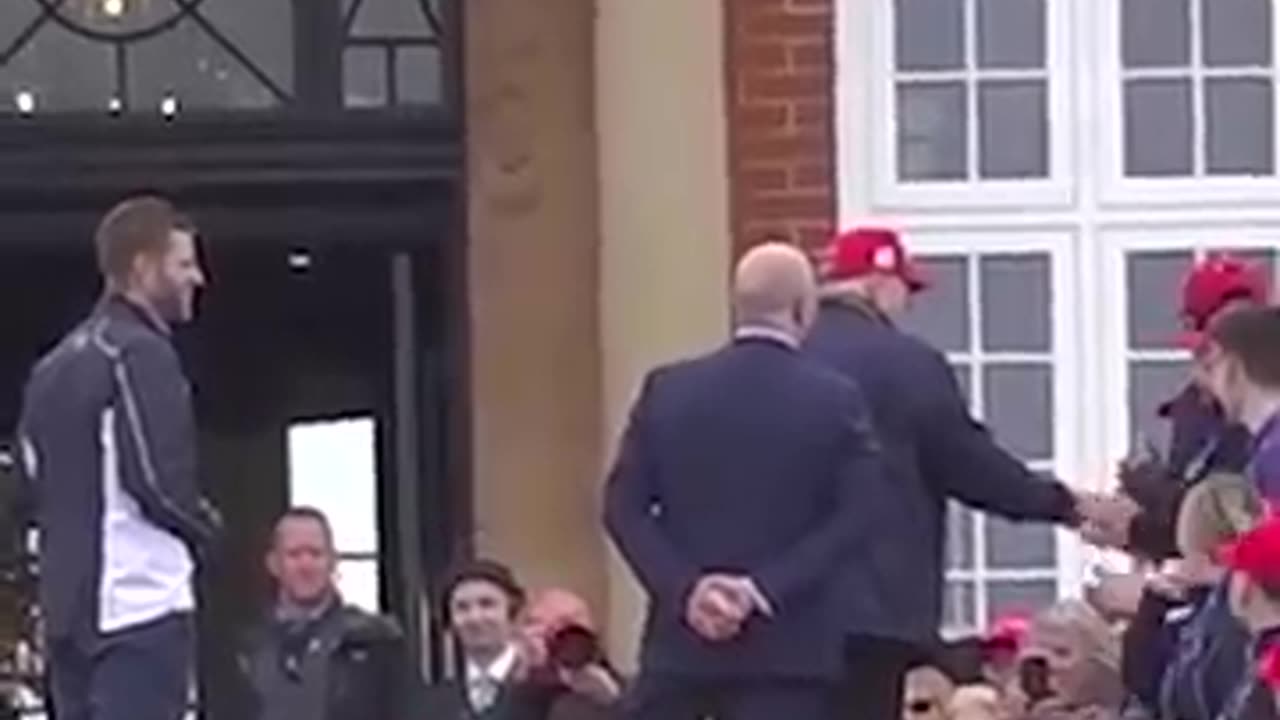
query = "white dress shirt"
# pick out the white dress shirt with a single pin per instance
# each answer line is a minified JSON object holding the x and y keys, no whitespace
{"x":484,"y":682}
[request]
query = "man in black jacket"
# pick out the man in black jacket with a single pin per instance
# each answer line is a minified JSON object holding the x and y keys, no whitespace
{"x":315,"y":658}
{"x":107,"y":439}
{"x":933,"y":449}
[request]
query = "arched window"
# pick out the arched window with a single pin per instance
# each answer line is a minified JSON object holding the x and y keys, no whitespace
{"x":168,"y":56}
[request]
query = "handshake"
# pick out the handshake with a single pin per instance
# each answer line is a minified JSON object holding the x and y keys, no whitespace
{"x":721,"y":603}
{"x":1106,"y":519}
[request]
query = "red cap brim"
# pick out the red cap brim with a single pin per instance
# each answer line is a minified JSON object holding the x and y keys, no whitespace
{"x":914,"y":276}
{"x":1191,"y":339}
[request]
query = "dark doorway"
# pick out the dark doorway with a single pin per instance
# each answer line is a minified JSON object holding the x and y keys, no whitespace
{"x":317,"y":365}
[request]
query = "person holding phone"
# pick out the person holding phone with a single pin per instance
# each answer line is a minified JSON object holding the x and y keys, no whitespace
{"x":1068,"y":667}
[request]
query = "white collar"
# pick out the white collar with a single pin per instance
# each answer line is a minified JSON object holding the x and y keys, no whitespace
{"x":764,"y":332}
{"x":498,"y":670}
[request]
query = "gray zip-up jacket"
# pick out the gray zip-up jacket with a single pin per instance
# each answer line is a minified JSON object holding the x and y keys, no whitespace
{"x":107,"y":438}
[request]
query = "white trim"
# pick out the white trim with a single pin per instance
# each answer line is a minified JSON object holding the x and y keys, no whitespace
{"x":864,"y":62}
{"x":1118,"y":191}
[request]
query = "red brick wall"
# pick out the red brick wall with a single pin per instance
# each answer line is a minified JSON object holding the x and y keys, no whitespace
{"x":780,"y":75}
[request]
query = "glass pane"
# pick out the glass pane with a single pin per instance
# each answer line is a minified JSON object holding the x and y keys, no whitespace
{"x":1151,"y":383}
{"x":14,"y":19}
{"x":418,"y":76}
{"x":1018,"y":407}
{"x":189,"y":64}
{"x":1016,"y":303}
{"x":1240,"y":126}
{"x":364,"y":77}
{"x":1157,"y":127}
{"x":941,"y":316}
{"x":118,"y":17}
{"x":1156,"y":33}
{"x":932,"y":131}
{"x":1011,"y":33}
{"x":261,"y":30}
{"x":959,"y":537}
{"x":1023,"y":597}
{"x":392,"y":18}
{"x":332,"y":468}
{"x":964,"y":378}
{"x":1237,"y":32}
{"x":1019,"y":545}
{"x":930,"y":34}
{"x":1154,"y":289}
{"x":61,"y":71}
{"x":358,"y":583}
{"x":1014,"y":128}
{"x":959,"y":609}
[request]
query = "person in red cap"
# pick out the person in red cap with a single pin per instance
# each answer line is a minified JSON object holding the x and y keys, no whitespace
{"x":934,"y":451}
{"x":1254,"y":563}
{"x":1201,"y":440}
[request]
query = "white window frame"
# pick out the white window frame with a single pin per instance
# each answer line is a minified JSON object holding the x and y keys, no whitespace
{"x":1115,"y":351}
{"x":1059,"y":245}
{"x":870,"y":24}
{"x":1106,"y":79}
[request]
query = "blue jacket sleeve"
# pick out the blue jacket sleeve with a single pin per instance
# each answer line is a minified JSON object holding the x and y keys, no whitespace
{"x":959,"y":455}
{"x":633,"y":514}
{"x":156,"y":439}
{"x":857,"y":473}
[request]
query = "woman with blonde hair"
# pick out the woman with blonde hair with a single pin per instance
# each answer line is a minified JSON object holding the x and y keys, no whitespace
{"x":1185,"y":651}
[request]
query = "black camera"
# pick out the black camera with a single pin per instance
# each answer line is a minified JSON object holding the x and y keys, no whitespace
{"x":1033,"y":676}
{"x":573,"y":648}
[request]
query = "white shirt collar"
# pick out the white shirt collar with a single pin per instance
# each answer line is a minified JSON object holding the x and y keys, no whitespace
{"x":497,"y":670}
{"x":762,"y":332}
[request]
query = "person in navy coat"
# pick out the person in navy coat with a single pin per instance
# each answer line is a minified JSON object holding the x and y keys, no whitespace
{"x":733,"y":500}
{"x":934,"y":450}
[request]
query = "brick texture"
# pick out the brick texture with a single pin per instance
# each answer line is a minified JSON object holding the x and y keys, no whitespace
{"x":780,"y":79}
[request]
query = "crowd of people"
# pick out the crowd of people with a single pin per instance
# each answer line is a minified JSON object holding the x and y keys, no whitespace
{"x":781,"y":500}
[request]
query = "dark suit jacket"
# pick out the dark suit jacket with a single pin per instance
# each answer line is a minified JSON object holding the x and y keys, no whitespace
{"x":748,"y":460}
{"x":934,"y":450}
{"x":448,"y":701}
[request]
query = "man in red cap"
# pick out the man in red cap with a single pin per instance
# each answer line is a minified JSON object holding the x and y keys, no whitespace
{"x":934,"y":451}
{"x":1254,"y":562}
{"x":1201,"y":440}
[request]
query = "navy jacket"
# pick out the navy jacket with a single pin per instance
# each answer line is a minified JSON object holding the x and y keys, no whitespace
{"x":934,"y":450}
{"x":109,"y":449}
{"x":1201,"y":442}
{"x":750,"y":460}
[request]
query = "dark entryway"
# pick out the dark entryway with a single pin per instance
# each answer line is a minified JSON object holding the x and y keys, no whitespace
{"x":334,"y":330}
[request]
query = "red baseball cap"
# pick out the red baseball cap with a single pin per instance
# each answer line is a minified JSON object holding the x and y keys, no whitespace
{"x":1006,"y":633}
{"x":866,"y":250}
{"x":1256,"y":553}
{"x":1269,"y":668}
{"x":1210,"y":285}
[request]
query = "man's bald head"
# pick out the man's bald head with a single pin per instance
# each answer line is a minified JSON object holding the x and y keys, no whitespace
{"x":774,"y":286}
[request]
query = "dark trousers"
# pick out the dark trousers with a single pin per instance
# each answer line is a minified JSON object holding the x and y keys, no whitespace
{"x":874,"y":672}
{"x":674,"y":697}
{"x":141,"y":673}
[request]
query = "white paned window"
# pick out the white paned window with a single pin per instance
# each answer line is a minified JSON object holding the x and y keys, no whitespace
{"x":332,"y":467}
{"x":1161,"y":144}
{"x":992,"y":313}
{"x":1198,"y":88}
{"x":965,"y":99}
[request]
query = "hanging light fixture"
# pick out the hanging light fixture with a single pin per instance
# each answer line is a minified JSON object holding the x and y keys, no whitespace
{"x":25,"y":101}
